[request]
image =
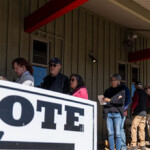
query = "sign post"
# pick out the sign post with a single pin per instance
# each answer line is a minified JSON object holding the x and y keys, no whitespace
{"x":33,"y":118}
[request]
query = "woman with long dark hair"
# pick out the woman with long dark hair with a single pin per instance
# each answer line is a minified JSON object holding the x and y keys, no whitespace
{"x":24,"y":71}
{"x":78,"y":87}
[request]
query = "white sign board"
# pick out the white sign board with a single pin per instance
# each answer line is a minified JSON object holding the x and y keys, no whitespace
{"x":33,"y":118}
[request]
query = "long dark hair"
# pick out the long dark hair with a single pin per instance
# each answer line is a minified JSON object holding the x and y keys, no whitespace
{"x":23,"y":62}
{"x":79,"y":80}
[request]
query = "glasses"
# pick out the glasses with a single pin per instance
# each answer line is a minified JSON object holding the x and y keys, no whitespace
{"x":53,"y":65}
{"x":72,"y":80}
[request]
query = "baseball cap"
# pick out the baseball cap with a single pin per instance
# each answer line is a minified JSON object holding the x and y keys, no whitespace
{"x":138,"y":83}
{"x":55,"y":60}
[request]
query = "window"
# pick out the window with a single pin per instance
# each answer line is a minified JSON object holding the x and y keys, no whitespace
{"x":40,"y":52}
{"x":39,"y":73}
{"x":122,"y":71}
{"x":40,"y":58}
{"x":135,"y":73}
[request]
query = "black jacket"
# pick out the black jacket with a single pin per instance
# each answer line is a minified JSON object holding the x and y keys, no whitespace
{"x":116,"y":105}
{"x":60,"y":83}
{"x":142,"y":102}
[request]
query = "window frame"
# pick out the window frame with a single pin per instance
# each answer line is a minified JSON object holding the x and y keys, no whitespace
{"x":48,"y":52}
{"x":137,"y":67}
{"x":126,"y":70}
{"x":37,"y":64}
{"x":42,"y":38}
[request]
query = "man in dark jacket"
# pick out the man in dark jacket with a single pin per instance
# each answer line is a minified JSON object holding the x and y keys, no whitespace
{"x":139,"y":105}
{"x":56,"y":81}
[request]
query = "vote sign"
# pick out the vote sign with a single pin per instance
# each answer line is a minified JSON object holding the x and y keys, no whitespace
{"x":33,"y":118}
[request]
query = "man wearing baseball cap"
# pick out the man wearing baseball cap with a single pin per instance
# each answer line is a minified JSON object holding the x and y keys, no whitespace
{"x":139,"y":105}
{"x":56,"y":81}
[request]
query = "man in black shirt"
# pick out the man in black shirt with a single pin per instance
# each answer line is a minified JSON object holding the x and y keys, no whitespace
{"x":56,"y":81}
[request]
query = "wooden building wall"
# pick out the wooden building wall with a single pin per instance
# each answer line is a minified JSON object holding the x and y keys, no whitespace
{"x":76,"y":34}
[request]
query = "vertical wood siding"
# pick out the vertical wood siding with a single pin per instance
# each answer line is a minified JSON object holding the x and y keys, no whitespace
{"x":83,"y":32}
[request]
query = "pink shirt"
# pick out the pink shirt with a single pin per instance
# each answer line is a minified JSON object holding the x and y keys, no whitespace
{"x":82,"y":93}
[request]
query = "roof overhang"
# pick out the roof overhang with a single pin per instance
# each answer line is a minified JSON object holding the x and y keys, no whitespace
{"x":133,"y":14}
{"x":139,"y":55}
{"x":49,"y":12}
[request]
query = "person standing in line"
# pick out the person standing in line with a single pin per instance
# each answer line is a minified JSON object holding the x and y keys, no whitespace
{"x":139,"y":106}
{"x":114,"y":111}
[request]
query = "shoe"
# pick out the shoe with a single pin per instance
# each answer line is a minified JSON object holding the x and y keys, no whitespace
{"x":143,"y":148}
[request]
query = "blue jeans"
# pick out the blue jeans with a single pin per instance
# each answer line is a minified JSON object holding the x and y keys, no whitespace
{"x":123,"y":136}
{"x":113,"y":122}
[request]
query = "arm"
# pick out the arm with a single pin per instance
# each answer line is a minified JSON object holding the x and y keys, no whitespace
{"x":28,"y":80}
{"x":28,"y":83}
{"x":118,"y":99}
{"x":106,"y":99}
{"x":134,"y":101}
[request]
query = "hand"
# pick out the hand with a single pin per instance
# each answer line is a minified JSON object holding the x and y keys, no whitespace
{"x":120,"y":97}
{"x":106,"y":99}
{"x":3,"y":78}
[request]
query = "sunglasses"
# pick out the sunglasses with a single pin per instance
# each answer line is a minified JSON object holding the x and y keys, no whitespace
{"x":53,"y":65}
{"x":72,"y":80}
